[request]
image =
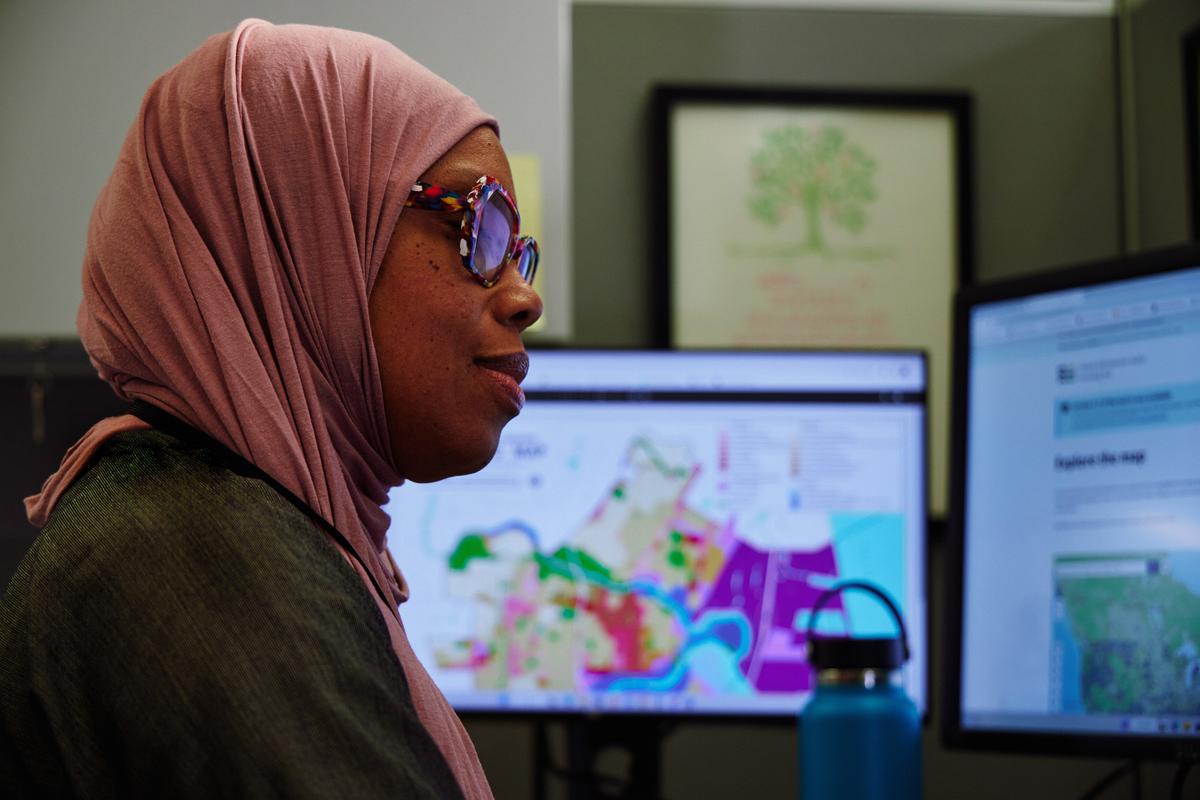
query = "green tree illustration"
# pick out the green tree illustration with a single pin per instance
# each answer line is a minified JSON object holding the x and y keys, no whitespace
{"x":820,"y":172}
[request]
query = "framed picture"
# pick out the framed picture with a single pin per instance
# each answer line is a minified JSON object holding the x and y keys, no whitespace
{"x":1191,"y":93}
{"x":814,"y":218}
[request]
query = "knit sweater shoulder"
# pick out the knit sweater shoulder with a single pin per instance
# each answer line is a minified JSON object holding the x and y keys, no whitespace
{"x":181,"y":629}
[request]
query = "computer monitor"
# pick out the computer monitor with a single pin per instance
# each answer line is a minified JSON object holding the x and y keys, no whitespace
{"x":1074,"y":532}
{"x":656,"y":526}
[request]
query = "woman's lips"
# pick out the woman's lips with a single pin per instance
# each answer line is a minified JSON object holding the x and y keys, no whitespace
{"x":507,"y":371}
{"x":514,"y":365}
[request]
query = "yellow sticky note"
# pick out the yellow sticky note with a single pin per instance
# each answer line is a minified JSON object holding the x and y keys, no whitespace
{"x":527,"y":183}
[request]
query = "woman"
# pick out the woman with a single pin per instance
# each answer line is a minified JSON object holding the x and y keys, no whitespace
{"x":210,"y":609}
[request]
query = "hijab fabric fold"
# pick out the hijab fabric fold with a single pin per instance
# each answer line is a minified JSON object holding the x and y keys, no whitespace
{"x":232,"y":252}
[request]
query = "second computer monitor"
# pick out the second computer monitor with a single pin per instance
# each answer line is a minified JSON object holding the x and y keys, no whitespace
{"x":1074,"y":583}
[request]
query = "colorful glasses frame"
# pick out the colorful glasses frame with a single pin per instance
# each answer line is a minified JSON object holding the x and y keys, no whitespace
{"x":432,"y":197}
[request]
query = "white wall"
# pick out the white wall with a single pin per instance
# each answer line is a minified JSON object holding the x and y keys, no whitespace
{"x":1048,"y":7}
{"x":72,"y":75}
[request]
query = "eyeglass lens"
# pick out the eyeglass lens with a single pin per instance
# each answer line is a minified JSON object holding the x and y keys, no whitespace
{"x":495,"y":236}
{"x":527,"y":262}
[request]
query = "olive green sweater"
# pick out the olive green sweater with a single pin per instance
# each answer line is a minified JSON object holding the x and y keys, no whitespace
{"x":181,"y":629}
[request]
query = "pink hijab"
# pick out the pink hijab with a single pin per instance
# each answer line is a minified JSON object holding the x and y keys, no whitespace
{"x":229,"y":262}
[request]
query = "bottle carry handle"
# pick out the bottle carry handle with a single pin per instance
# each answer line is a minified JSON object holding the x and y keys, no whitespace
{"x":839,"y":587}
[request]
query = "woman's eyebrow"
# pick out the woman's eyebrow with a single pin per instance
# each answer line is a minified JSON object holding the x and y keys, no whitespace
{"x":460,"y":179}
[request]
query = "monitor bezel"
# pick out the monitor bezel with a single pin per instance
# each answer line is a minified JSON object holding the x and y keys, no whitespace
{"x":954,"y":734}
{"x":769,"y":718}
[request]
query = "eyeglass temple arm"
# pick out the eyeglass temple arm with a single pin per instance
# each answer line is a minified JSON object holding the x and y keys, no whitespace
{"x":432,"y":197}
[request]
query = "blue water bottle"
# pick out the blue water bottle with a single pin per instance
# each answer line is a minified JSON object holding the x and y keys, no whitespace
{"x":860,"y":734}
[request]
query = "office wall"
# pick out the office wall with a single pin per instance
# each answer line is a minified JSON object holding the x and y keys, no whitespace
{"x":1046,"y":180}
{"x":74,"y":75}
{"x":1157,"y":27}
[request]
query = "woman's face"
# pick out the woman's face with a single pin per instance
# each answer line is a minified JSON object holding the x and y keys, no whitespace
{"x":448,"y":348}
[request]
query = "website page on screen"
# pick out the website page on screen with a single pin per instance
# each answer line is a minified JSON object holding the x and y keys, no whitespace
{"x":656,"y":527}
{"x":1082,"y":531}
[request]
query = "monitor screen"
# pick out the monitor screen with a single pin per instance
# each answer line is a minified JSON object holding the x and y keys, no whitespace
{"x":656,"y":525}
{"x":1077,"y":509}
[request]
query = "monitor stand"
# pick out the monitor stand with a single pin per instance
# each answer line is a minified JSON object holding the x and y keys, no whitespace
{"x":586,"y":737}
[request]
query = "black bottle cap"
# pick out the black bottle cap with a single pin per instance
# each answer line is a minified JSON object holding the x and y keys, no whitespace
{"x":839,"y":652}
{"x":829,"y":652}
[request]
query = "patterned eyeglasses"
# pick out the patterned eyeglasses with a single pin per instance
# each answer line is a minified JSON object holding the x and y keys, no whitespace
{"x":490,"y":228}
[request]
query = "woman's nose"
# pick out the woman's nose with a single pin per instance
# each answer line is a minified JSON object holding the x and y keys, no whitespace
{"x":518,"y":303}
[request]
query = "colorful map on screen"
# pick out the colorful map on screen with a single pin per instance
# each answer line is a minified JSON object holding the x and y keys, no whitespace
{"x":1127,"y":632}
{"x":690,"y":565}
